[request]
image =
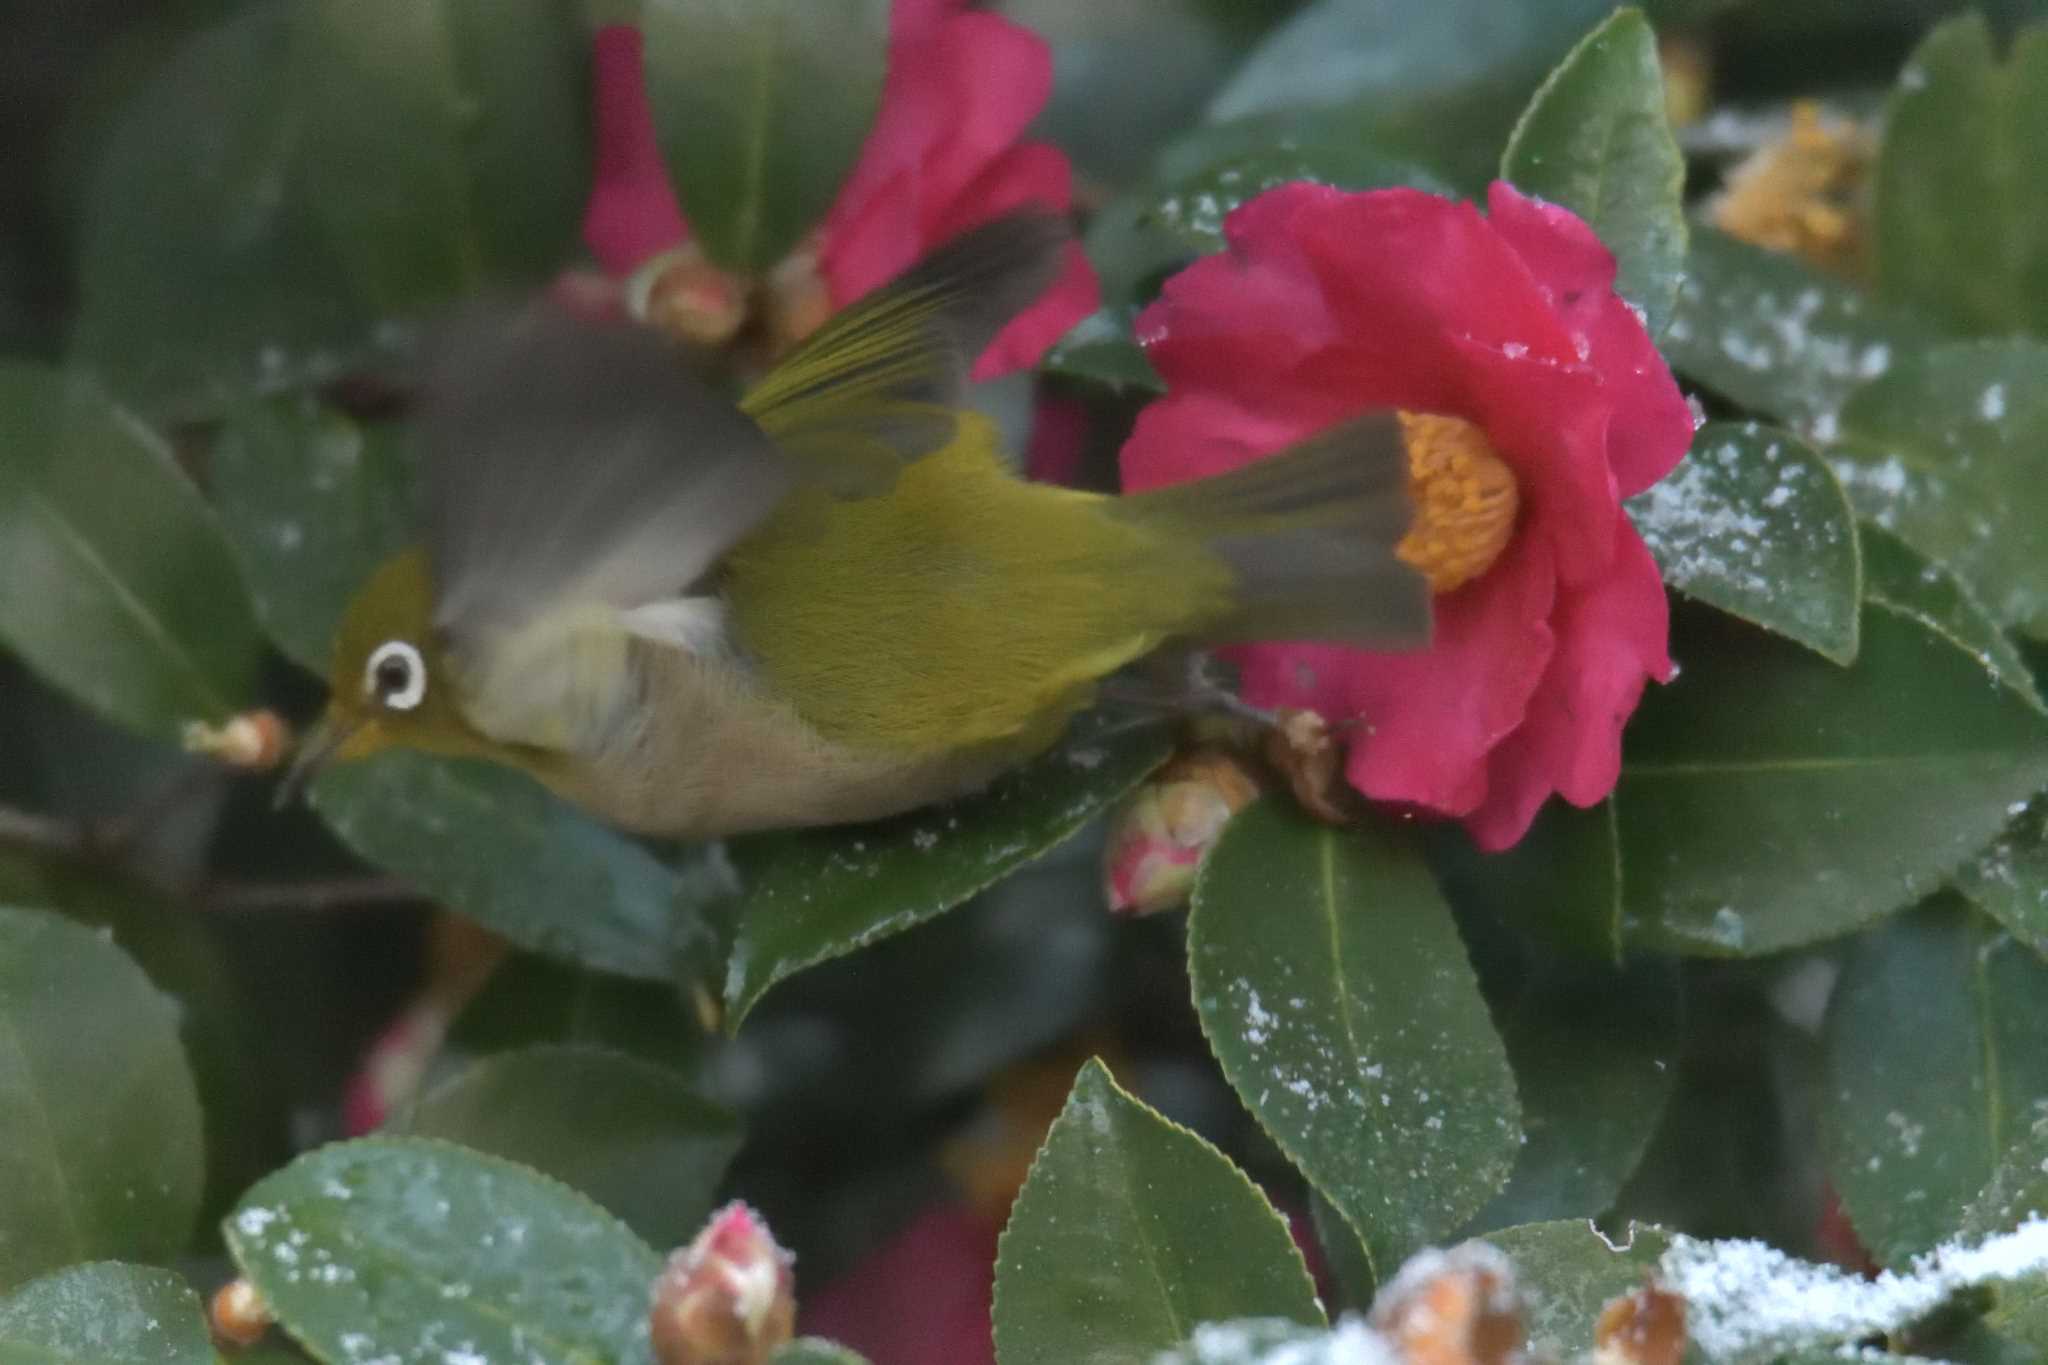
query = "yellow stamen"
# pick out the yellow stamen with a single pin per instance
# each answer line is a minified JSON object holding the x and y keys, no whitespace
{"x":1802,"y":193}
{"x":1465,"y":500}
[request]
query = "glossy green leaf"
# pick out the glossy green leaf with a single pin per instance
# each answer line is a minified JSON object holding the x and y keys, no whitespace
{"x":473,"y":116}
{"x":2008,"y":880}
{"x":1934,"y":1068}
{"x":313,"y":502}
{"x":1567,"y":1272}
{"x":100,"y":1151}
{"x":1343,"y":1253}
{"x":1776,"y":336}
{"x":1156,"y":229}
{"x":1103,"y":350}
{"x":761,"y":107}
{"x":1949,"y":450}
{"x":1560,"y":884}
{"x":632,"y":1135}
{"x":119,"y":588}
{"x":813,"y":1351}
{"x":302,"y":176}
{"x":495,"y":845}
{"x":1131,"y":1230}
{"x":2016,"y":1193}
{"x":410,"y":1250}
{"x":1336,"y":994}
{"x":1909,"y":583}
{"x":1595,"y":1057}
{"x":531,"y":999}
{"x":1826,"y":798}
{"x":1752,"y":522}
{"x":815,"y":895}
{"x":1441,"y":81}
{"x":1960,"y":215}
{"x":1596,"y":140}
{"x":105,"y":1313}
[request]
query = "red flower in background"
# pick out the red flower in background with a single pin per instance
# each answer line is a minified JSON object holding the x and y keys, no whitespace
{"x":1550,"y":405}
{"x":945,"y":154}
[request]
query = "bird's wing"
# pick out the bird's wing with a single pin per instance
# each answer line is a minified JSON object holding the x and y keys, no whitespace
{"x":575,"y":471}
{"x":881,"y":382}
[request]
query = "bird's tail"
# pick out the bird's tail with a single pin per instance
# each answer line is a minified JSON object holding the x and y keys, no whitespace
{"x":1309,"y":535}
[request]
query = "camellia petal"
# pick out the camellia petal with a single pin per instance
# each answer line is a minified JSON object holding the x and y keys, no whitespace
{"x":1328,"y":303}
{"x":944,"y":155}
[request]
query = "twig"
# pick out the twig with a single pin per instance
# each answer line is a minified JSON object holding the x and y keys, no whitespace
{"x":76,"y":842}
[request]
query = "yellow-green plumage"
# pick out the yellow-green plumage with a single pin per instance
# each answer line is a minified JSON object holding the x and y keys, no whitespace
{"x":833,"y":601}
{"x":966,"y":607}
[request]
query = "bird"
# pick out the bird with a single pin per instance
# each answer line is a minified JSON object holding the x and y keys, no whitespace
{"x":823,"y":599}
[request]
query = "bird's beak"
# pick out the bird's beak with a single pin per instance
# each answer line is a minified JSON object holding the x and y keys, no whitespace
{"x":319,"y":745}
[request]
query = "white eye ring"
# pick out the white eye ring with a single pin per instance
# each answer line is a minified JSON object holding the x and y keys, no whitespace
{"x":395,"y":676}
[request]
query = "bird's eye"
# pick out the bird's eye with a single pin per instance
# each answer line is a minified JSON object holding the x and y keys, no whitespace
{"x":396,"y":675}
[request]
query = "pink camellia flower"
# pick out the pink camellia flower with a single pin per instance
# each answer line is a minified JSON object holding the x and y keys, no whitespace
{"x":945,"y":154}
{"x":1532,"y":401}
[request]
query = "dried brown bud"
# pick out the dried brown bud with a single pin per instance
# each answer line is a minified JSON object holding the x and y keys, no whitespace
{"x":682,"y":293}
{"x":238,"y":1315}
{"x":1301,"y":746}
{"x":256,"y":740}
{"x":1456,"y":1307}
{"x":729,"y":1298}
{"x":1643,"y":1328}
{"x":1158,"y":837}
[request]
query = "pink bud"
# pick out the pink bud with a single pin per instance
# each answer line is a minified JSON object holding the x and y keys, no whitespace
{"x":1158,"y":837}
{"x":729,"y":1298}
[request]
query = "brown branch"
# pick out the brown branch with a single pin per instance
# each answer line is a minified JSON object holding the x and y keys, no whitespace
{"x":114,"y":848}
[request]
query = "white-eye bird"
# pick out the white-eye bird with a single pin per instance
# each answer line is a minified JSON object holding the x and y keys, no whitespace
{"x":829,"y":601}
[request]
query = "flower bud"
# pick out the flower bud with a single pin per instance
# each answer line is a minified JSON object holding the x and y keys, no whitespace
{"x":1456,"y":1307}
{"x":1158,"y":837}
{"x":238,"y":1315}
{"x":1301,"y":746}
{"x":729,"y":1298}
{"x":255,"y":740}
{"x":797,"y":300}
{"x":683,"y":294}
{"x":1643,"y":1328}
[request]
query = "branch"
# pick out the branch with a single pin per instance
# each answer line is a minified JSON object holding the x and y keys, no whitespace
{"x":113,"y":847}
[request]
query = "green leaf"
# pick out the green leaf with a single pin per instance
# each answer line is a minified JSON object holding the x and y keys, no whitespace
{"x":630,"y":1134}
{"x":1950,"y":451}
{"x":1826,"y":798}
{"x":1596,"y":140}
{"x":493,"y":844}
{"x":410,"y":1250}
{"x":300,"y":177}
{"x":1568,"y":1271}
{"x":2016,"y":1193}
{"x":1908,"y":583}
{"x":761,"y":107}
{"x":104,"y":1314}
{"x":1335,"y":992}
{"x":1595,"y":1056}
{"x":1158,"y":228}
{"x":811,"y":896}
{"x":1129,"y":1231}
{"x":814,"y":1351}
{"x":1752,"y":522}
{"x":1103,"y":350}
{"x":120,"y":590}
{"x":1961,"y":218}
{"x":532,"y":999}
{"x":100,"y":1151}
{"x":1934,"y":1068}
{"x":2008,"y":880}
{"x":313,"y":502}
{"x":1561,"y":884}
{"x":1441,"y":81}
{"x":1774,"y":335}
